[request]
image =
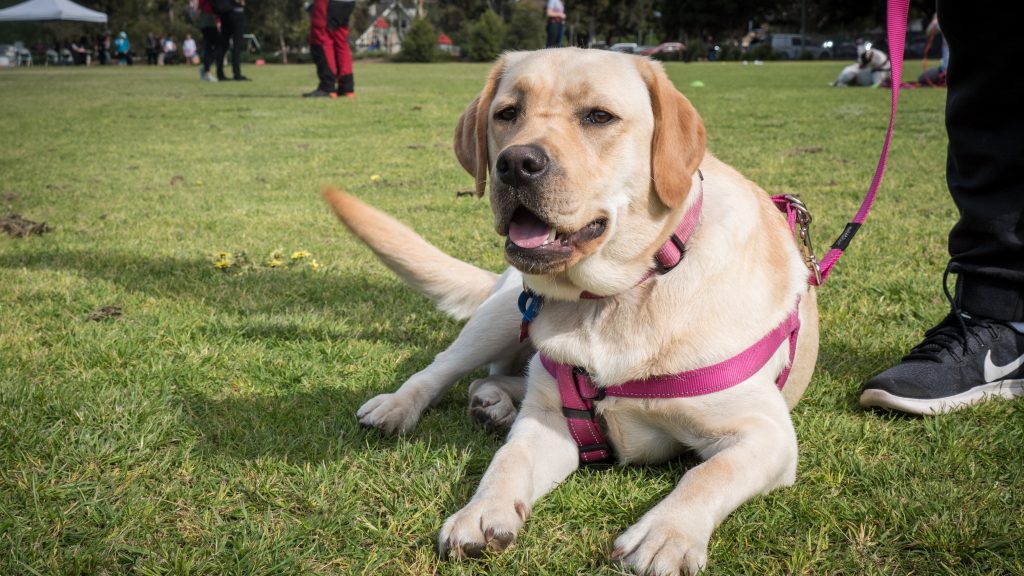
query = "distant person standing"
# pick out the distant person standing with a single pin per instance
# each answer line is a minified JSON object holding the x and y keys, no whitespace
{"x":152,"y":48}
{"x":211,"y":42}
{"x":170,"y":50}
{"x":232,"y":27}
{"x":123,"y":49}
{"x":189,"y":50}
{"x":556,"y":23}
{"x":328,"y":44}
{"x":103,"y":49}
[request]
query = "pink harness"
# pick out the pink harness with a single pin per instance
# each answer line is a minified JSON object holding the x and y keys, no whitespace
{"x":578,"y":392}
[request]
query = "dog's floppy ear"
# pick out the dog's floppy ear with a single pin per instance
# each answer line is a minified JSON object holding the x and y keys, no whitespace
{"x":471,"y":131}
{"x":679,"y":137}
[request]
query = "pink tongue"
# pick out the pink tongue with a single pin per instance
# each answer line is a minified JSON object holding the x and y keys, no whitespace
{"x":527,"y":231}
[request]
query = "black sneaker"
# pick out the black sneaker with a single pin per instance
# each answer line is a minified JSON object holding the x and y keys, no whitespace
{"x":961,"y":361}
{"x":318,"y":93}
{"x":242,"y":79}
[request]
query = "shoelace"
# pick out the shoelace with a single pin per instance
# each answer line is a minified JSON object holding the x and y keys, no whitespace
{"x":956,"y":329}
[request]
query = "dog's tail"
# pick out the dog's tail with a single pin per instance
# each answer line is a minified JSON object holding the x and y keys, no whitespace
{"x":456,"y":287}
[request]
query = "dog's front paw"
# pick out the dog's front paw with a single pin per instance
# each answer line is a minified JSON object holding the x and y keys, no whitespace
{"x":389,"y":413}
{"x":663,"y":547}
{"x":491,"y":406}
{"x":481,"y":525}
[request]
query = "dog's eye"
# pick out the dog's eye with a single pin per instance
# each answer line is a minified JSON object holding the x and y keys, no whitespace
{"x":597,"y":116}
{"x":508,"y":114}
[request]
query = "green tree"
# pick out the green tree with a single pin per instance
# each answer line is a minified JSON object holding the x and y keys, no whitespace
{"x":525,"y":27}
{"x":420,"y":43}
{"x":485,"y":37}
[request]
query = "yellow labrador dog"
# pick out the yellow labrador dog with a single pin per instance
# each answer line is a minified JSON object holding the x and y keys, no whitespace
{"x":594,"y":161}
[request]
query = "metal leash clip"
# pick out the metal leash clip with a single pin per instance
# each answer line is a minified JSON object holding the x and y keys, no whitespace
{"x":803,"y":220}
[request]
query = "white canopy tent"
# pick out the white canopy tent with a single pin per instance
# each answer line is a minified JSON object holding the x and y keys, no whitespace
{"x":36,"y":10}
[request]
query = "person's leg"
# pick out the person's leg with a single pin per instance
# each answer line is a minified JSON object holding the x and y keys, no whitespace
{"x":343,"y":56}
{"x":977,"y":352}
{"x":222,"y":44}
{"x":985,"y":165}
{"x":237,"y":42}
{"x":319,"y":48}
{"x":210,"y":42}
{"x":338,"y":14}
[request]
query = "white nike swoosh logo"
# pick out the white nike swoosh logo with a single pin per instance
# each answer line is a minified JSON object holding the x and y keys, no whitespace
{"x":993,"y":372}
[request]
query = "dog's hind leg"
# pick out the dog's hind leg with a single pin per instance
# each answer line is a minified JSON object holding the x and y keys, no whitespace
{"x":494,"y":400}
{"x":489,"y":337}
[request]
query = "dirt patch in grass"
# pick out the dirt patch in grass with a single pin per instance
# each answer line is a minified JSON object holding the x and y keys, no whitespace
{"x":105,"y":313}
{"x":18,"y":227}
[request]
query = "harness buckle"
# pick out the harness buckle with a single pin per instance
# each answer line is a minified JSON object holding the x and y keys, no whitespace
{"x":600,"y":447}
{"x":803,"y":221}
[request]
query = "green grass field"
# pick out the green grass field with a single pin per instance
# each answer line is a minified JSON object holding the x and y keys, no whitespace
{"x":210,"y":428}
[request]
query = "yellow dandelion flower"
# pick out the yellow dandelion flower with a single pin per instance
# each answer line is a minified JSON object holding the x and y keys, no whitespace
{"x":375,"y":178}
{"x":275,"y":263}
{"x":299,"y":255}
{"x":314,"y":265}
{"x":222,"y":264}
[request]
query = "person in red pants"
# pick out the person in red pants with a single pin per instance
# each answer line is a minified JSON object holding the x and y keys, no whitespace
{"x":328,"y":44}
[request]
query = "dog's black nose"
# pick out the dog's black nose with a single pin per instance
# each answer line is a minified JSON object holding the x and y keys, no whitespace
{"x":521,"y":165}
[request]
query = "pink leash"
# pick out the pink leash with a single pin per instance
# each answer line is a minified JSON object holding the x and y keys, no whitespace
{"x":897,"y":32}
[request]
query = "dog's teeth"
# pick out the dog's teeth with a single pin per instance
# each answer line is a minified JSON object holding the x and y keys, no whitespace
{"x":551,"y":236}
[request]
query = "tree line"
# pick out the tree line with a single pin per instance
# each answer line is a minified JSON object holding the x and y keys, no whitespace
{"x":284,"y":23}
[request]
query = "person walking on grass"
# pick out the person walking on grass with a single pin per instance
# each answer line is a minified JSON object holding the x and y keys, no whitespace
{"x":328,"y":44}
{"x":977,"y":351}
{"x":210,"y":30}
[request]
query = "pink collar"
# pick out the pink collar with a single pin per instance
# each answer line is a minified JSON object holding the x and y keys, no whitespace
{"x":673,"y":250}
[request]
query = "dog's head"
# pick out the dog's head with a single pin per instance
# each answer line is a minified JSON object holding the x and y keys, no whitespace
{"x":591,"y":156}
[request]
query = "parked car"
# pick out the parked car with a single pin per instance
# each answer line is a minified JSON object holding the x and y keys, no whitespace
{"x":792,"y":47}
{"x":839,"y":49}
{"x":666,"y":51}
{"x":627,"y":47}
{"x":664,"y":48}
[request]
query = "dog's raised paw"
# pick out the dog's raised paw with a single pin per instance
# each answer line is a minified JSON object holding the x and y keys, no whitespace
{"x":481,"y":526}
{"x":389,"y":413}
{"x":491,"y":406}
{"x":662,"y":548}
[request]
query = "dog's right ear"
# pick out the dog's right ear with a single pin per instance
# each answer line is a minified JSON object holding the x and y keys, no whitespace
{"x":471,"y":131}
